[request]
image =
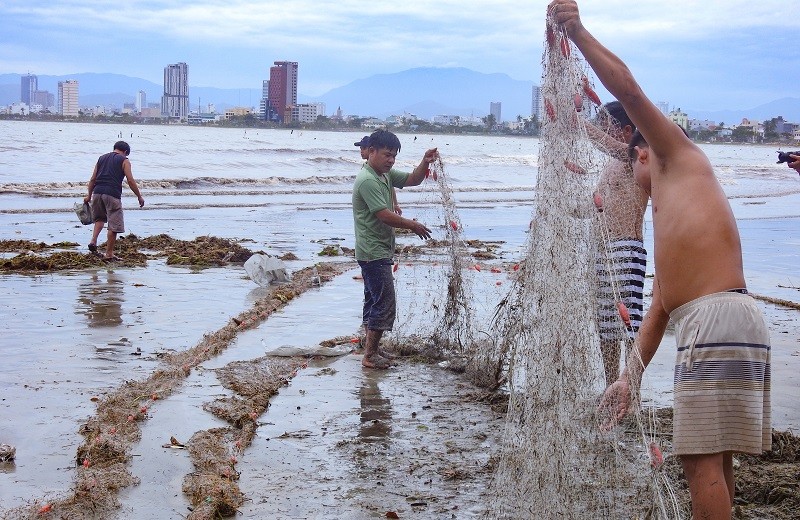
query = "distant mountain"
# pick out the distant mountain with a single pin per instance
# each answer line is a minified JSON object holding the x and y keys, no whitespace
{"x":114,"y":90}
{"x":788,"y":107}
{"x":430,"y":91}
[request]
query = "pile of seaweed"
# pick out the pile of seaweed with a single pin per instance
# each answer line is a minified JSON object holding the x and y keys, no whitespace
{"x":205,"y":251}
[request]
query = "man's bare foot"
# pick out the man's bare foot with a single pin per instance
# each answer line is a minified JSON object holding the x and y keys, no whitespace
{"x":388,"y":355}
{"x":376,"y":361}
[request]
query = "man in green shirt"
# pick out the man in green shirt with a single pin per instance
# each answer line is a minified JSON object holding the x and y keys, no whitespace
{"x":375,"y":220}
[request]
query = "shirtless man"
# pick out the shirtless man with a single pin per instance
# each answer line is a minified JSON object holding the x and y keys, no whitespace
{"x":722,"y":368}
{"x":625,"y":259}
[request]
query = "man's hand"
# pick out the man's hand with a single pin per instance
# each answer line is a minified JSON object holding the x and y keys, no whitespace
{"x":420,"y":230}
{"x":430,"y":156}
{"x":615,"y":403}
{"x":565,"y":13}
{"x":87,"y":198}
{"x":397,"y":209}
{"x":795,"y":162}
{"x":141,"y":201}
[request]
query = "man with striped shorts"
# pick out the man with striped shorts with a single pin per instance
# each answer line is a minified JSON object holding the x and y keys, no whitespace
{"x":621,"y":264}
{"x":722,"y":365}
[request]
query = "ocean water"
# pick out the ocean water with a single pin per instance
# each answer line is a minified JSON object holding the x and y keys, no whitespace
{"x":287,"y":189}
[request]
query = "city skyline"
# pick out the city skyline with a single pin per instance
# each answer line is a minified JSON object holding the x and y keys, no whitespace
{"x":307,"y":110}
{"x":679,"y":51}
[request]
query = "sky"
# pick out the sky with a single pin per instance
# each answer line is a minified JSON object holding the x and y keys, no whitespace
{"x":708,"y":54}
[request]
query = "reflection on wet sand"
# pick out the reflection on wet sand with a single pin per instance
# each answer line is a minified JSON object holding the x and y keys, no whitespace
{"x":376,"y":410}
{"x":101,"y":299}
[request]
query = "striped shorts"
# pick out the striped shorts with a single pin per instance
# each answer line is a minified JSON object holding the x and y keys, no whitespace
{"x":722,"y":376}
{"x":621,"y":269}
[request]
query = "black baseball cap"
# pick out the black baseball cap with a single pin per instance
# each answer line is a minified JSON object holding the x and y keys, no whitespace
{"x":363,"y":143}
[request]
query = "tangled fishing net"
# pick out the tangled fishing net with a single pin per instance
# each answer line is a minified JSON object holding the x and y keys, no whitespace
{"x":540,"y":338}
{"x":556,"y":462}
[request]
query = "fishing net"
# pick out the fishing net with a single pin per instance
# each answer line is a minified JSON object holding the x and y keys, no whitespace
{"x":556,"y":462}
{"x":453,"y":294}
{"x":542,"y":328}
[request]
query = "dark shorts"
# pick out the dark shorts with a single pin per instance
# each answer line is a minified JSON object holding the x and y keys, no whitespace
{"x":106,"y":208}
{"x":380,"y":305}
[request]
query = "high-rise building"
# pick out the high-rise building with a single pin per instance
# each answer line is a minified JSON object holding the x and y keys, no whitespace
{"x":494,"y":109}
{"x":283,"y":89}
{"x":664,"y":107}
{"x":141,"y":101}
{"x":536,"y":102}
{"x":28,"y":85}
{"x":44,"y":98}
{"x":68,"y":98}
{"x":309,"y":112}
{"x":263,"y":106}
{"x":175,"y":100}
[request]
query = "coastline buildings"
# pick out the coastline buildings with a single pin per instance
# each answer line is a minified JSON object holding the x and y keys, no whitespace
{"x":282,"y":89}
{"x":308,"y":112}
{"x":68,"y":98}
{"x":30,"y":95}
{"x":680,"y":118}
{"x":536,"y":102}
{"x":28,"y":85}
{"x":175,"y":100}
{"x":265,"y":111}
{"x":495,"y":110}
{"x":141,"y":101}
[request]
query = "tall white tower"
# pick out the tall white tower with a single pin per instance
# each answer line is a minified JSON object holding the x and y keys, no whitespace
{"x":175,"y":100}
{"x":68,"y":98}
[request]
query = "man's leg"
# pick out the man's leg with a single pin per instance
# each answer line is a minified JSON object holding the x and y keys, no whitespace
{"x":379,"y":309}
{"x":98,"y":227}
{"x":111,"y":240}
{"x":372,"y":359}
{"x":611,"y":354}
{"x":708,"y":486}
{"x":727,"y":467}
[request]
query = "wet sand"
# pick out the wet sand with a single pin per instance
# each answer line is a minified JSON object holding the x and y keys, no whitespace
{"x":338,"y":441}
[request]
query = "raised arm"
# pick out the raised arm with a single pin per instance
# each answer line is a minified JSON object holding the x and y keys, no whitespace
{"x":419,"y":173}
{"x":663,"y":136}
{"x":607,"y":143}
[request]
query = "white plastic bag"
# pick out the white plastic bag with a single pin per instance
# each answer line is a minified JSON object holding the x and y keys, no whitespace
{"x":84,"y":212}
{"x":265,"y":269}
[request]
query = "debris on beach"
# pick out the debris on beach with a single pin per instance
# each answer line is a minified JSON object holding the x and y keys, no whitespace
{"x":330,"y":251}
{"x":7,"y":452}
{"x":201,"y":252}
{"x":22,"y":246}
{"x":265,"y":270}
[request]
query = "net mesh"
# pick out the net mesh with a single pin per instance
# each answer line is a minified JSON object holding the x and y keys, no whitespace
{"x":556,"y":460}
{"x":539,"y":337}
